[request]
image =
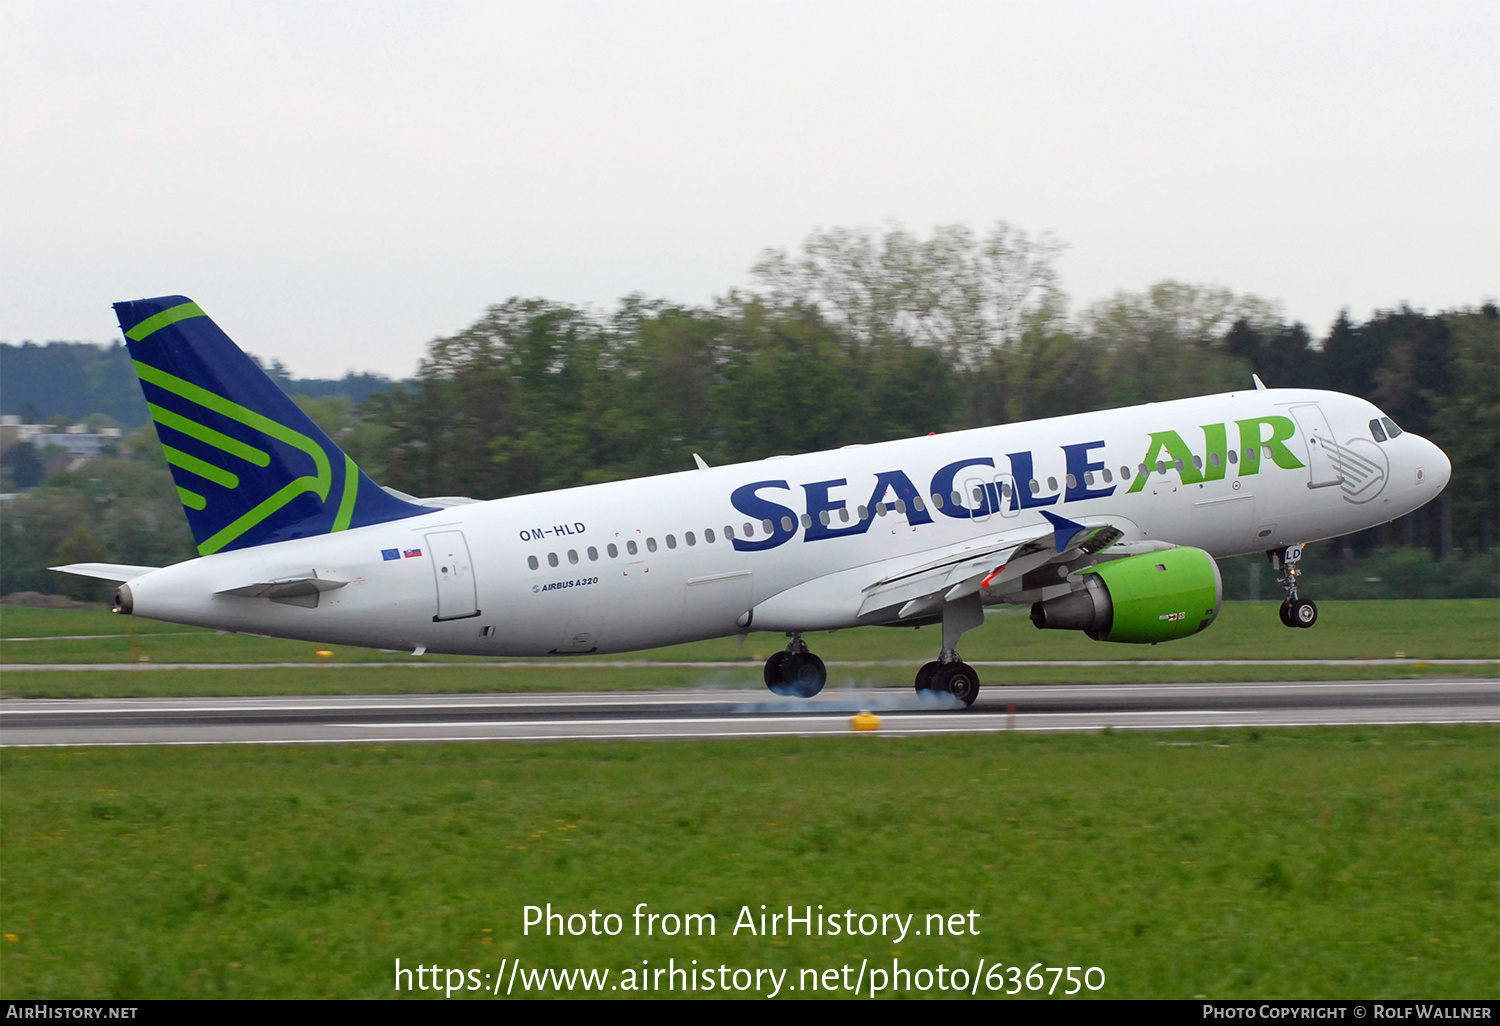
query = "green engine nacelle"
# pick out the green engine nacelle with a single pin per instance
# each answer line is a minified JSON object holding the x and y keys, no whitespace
{"x":1156,"y":596}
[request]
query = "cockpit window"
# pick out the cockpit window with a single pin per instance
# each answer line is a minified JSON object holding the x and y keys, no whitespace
{"x":1377,"y":430}
{"x":1390,"y":427}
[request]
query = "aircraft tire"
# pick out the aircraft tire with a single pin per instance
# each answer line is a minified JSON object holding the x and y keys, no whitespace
{"x":924,"y":676}
{"x":959,"y":680}
{"x":1286,"y":614}
{"x":804,"y":675}
{"x":1304,"y":613}
{"x":775,"y":672}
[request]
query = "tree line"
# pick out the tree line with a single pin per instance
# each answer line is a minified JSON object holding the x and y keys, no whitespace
{"x":863,"y":336}
{"x":868,"y":336}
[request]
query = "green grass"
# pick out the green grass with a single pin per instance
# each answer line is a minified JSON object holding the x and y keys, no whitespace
{"x":1235,"y":864}
{"x":1433,"y":629}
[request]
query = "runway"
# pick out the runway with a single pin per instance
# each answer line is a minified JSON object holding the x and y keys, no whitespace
{"x":707,"y":713}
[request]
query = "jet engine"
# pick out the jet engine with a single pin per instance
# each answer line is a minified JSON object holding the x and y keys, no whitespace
{"x":1155,"y":596}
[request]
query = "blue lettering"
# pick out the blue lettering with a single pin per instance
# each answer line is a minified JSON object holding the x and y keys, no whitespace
{"x":1078,"y":466}
{"x":942,"y":484}
{"x":819,"y":503}
{"x":1020,"y":495}
{"x":905,"y":491}
{"x":753,"y":506}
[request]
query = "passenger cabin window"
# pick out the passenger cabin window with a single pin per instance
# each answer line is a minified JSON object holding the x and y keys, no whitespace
{"x":671,"y":541}
{"x":1376,"y":430}
{"x":1051,"y":484}
{"x":631,"y":548}
{"x":614,"y":553}
{"x":650,"y":544}
{"x":690,"y":539}
{"x":551,"y":559}
{"x":593,"y":554}
{"x":573,"y":556}
{"x":531,"y":562}
{"x":708,"y":535}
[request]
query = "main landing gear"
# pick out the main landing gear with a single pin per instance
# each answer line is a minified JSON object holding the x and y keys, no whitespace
{"x":948,"y":674}
{"x":1295,"y":612}
{"x":956,"y":678}
{"x":795,"y":672}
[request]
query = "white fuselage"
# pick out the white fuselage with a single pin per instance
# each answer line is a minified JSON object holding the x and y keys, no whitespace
{"x":703,"y":553}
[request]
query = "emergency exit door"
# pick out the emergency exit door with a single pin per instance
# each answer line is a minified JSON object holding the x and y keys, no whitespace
{"x":456,"y":594}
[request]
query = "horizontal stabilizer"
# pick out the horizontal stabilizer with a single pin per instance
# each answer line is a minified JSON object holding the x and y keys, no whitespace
{"x":105,"y":571}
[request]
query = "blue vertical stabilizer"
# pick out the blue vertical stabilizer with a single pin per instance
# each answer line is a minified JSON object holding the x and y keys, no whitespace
{"x":251,"y":468}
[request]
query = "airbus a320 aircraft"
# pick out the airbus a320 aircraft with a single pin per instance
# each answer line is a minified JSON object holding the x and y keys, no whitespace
{"x":1106,"y":523}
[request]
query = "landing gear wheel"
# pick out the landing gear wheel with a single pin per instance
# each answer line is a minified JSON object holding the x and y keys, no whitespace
{"x":959,"y":680}
{"x":775,"y":670}
{"x":1286,"y":614}
{"x":804,"y":675}
{"x":795,"y":674}
{"x":1304,"y":613}
{"x":924,"y":676}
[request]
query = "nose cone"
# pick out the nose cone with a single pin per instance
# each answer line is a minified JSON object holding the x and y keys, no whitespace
{"x":1434,"y":469}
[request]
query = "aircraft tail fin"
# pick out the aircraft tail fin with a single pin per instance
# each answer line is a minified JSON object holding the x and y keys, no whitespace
{"x":250,"y":467}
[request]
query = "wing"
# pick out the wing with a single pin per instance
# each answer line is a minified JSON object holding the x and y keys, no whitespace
{"x":910,"y":588}
{"x":922,"y":589}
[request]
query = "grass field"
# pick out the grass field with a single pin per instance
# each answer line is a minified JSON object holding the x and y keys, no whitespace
{"x":1291,"y":863}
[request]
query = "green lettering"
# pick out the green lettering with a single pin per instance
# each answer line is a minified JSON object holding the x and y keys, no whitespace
{"x":1251,"y":432}
{"x":1176,"y":449}
{"x":1215,"y":436}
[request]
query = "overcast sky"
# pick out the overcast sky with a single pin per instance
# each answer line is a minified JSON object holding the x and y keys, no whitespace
{"x":339,"y":183}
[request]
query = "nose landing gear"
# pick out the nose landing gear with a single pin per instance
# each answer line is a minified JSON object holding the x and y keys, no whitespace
{"x":1295,"y":611}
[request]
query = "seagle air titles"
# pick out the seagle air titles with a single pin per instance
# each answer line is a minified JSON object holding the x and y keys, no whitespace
{"x":1102,"y":522}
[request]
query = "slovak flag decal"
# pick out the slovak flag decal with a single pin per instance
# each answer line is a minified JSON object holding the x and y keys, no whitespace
{"x":412,"y":553}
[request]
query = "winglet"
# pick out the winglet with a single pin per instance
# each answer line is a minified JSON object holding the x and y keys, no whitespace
{"x":1260,"y":386}
{"x":1062,"y":528}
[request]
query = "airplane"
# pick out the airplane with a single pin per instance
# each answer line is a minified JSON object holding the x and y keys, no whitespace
{"x":1107,"y":523}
